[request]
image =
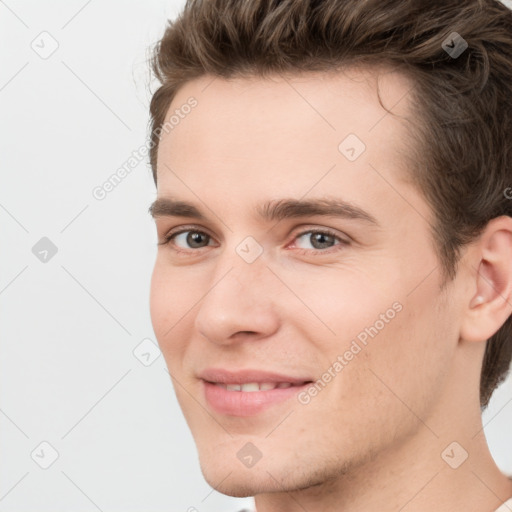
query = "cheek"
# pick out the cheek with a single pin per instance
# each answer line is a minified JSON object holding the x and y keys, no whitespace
{"x":157,"y":300}
{"x":398,"y":344}
{"x":406,"y":364}
{"x":169,"y":303}
{"x":345,"y":299}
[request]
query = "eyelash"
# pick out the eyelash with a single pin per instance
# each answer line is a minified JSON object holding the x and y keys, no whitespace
{"x":168,"y":238}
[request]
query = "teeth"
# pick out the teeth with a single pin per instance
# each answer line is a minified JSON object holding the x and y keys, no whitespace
{"x":265,"y":386}
{"x":254,"y":386}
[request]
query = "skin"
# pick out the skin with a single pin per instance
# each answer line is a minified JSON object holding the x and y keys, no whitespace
{"x":372,"y":439}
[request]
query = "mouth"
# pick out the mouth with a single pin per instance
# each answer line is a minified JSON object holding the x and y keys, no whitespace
{"x":251,"y":398}
{"x":251,"y":387}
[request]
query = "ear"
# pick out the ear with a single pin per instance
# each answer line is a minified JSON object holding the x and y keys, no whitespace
{"x":489,"y":302}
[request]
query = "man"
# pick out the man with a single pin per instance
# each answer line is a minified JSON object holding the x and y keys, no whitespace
{"x":333,"y":286}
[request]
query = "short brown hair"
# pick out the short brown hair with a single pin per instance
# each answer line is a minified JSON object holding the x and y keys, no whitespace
{"x":463,"y":140}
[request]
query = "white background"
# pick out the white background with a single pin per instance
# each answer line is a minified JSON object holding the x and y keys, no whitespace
{"x":69,"y":326}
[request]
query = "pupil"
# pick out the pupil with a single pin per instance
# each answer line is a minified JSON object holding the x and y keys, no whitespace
{"x":320,"y":239}
{"x":194,"y":239}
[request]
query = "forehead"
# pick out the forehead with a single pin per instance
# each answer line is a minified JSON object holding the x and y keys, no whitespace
{"x":283,"y":131}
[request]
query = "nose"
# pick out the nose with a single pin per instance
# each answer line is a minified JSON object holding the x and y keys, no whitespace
{"x":240,"y":303}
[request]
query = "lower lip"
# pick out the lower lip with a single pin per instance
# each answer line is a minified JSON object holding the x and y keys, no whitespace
{"x":246,"y":403}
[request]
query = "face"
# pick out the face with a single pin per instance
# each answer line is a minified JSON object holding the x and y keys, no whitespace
{"x":346,"y":298}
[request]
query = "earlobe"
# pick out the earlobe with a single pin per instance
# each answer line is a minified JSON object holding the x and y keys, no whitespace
{"x":491,"y":303}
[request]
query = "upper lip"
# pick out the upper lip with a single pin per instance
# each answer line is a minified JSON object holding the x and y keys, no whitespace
{"x":248,"y":375}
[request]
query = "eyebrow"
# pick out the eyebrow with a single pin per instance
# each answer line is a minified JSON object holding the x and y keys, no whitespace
{"x":275,"y":210}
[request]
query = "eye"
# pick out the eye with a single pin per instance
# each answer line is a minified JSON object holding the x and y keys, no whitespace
{"x":319,"y":240}
{"x":187,"y":239}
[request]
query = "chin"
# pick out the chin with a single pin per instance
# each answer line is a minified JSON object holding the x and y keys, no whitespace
{"x":236,"y":482}
{"x":229,"y":476}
